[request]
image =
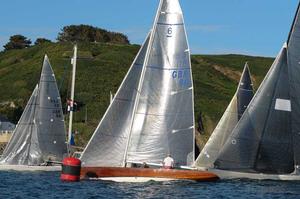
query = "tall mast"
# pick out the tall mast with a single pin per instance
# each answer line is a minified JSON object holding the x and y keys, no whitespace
{"x":74,"y":60}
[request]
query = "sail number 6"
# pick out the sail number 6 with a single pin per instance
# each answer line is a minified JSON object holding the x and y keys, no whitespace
{"x":170,"y":32}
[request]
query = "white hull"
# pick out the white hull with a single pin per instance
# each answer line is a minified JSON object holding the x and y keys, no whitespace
{"x":29,"y":168}
{"x":134,"y":179}
{"x":223,"y":174}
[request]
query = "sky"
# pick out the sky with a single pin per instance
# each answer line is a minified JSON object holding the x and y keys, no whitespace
{"x":251,"y":27}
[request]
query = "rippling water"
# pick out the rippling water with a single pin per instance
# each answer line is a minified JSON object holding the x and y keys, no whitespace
{"x":47,"y":185}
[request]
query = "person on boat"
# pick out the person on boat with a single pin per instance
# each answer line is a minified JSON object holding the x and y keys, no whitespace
{"x":168,"y":162}
{"x":49,"y":162}
{"x":145,"y":165}
{"x":297,"y":169}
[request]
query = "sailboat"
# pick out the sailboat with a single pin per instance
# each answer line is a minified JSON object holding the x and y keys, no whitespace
{"x":265,"y":142}
{"x":230,"y":118}
{"x":40,"y":134}
{"x":151,"y":114}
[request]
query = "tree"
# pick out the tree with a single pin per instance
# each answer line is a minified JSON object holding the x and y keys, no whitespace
{"x":86,"y":33}
{"x":40,"y":41}
{"x":13,"y":114}
{"x":17,"y":42}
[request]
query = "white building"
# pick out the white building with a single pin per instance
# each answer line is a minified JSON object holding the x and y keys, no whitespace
{"x":6,"y":129}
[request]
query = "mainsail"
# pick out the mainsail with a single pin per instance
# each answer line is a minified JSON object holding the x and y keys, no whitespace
{"x":244,"y":92}
{"x":40,"y":133}
{"x":49,"y":116}
{"x":230,"y":118}
{"x":152,"y":113}
{"x":266,"y":139}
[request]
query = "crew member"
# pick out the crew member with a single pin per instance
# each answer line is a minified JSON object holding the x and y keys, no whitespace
{"x":145,"y":165}
{"x":168,"y":162}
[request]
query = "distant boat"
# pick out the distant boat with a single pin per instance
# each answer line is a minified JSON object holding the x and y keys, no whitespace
{"x":40,"y":134}
{"x":229,"y":120}
{"x":152,"y":113}
{"x":265,"y":144}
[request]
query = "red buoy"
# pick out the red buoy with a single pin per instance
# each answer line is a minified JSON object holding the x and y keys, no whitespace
{"x":70,"y":170}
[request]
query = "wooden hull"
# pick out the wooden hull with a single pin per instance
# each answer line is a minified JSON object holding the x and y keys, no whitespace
{"x":116,"y":173}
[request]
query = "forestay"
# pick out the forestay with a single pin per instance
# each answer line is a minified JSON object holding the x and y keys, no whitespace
{"x":230,"y":118}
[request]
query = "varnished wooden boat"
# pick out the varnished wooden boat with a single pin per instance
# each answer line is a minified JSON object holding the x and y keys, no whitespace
{"x":145,"y":174}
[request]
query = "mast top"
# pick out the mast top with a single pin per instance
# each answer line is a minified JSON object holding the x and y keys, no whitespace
{"x":294,"y":23}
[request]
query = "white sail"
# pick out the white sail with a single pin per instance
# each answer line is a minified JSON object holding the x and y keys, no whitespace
{"x":40,"y":133}
{"x":108,"y":143}
{"x":19,"y":149}
{"x":152,"y":113}
{"x":49,"y":116}
{"x":210,"y":152}
{"x":230,"y":118}
{"x":164,"y":120}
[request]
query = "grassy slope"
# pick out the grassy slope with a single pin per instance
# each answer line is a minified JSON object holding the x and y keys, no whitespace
{"x":214,"y":89}
{"x":101,"y":70}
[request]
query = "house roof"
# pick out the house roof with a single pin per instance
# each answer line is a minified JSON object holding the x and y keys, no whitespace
{"x":5,"y":124}
{"x":3,"y":119}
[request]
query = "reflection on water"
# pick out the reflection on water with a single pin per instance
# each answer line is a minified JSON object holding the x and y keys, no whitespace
{"x":47,"y":185}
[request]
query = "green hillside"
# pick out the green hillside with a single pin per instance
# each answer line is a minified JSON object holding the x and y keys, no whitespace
{"x":102,"y":67}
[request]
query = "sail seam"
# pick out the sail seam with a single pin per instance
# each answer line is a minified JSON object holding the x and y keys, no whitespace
{"x":124,"y":100}
{"x":138,"y":64}
{"x":50,"y":81}
{"x":170,"y":24}
{"x":152,"y":114}
{"x":160,"y":68}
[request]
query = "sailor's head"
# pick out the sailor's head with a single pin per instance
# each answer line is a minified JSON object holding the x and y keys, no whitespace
{"x":169,"y":155}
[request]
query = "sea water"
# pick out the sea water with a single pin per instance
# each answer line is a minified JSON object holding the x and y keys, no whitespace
{"x":23,"y":185}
